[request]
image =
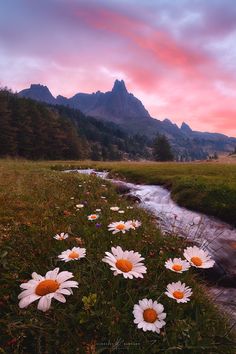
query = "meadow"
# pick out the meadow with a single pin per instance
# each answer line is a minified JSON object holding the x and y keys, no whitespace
{"x":208,"y":187}
{"x":37,"y":202}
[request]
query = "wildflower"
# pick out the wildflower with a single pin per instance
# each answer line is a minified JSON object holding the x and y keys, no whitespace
{"x":120,"y":226}
{"x":177,"y":265}
{"x":149,"y":315}
{"x":93,"y":217}
{"x":115,"y":208}
{"x":179,"y":292}
{"x":79,"y":206}
{"x":98,"y":210}
{"x":52,"y":285}
{"x":129,"y":207}
{"x":61,"y":236}
{"x":121,"y":211}
{"x":72,"y":255}
{"x":98,"y":225}
{"x":102,"y":197}
{"x":127,"y":263}
{"x":198,"y":258}
{"x":134,"y":224}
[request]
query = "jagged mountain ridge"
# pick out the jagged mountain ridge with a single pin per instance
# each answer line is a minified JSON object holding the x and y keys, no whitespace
{"x":123,"y":108}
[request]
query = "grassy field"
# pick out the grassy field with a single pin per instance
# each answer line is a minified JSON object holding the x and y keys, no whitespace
{"x":206,"y":187}
{"x":36,"y":203}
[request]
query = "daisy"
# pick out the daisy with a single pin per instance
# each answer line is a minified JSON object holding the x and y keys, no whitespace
{"x":61,"y":236}
{"x":121,"y":211}
{"x":134,"y":224}
{"x":72,"y":255}
{"x":129,"y":207}
{"x":115,"y":208}
{"x":120,"y":226}
{"x":127,"y":263}
{"x":179,"y":292}
{"x":98,"y":210}
{"x":177,"y":265}
{"x":93,"y":217}
{"x":149,"y":315}
{"x":52,"y":285}
{"x":198,"y":258}
{"x":79,"y":206}
{"x":103,"y":197}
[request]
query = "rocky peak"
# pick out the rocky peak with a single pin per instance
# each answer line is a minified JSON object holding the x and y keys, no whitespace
{"x":38,"y":92}
{"x":119,"y":87}
{"x":186,"y":128}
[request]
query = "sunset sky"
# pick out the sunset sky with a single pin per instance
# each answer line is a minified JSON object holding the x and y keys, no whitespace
{"x":177,"y":56}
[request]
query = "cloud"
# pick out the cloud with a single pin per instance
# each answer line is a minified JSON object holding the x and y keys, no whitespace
{"x":176,"y":56}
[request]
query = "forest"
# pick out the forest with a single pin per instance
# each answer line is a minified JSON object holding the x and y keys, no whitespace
{"x":33,"y":130}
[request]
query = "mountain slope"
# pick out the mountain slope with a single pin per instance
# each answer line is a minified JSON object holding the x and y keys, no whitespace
{"x":123,"y":108}
{"x":37,"y":130}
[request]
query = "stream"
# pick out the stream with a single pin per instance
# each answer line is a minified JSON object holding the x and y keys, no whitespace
{"x":206,"y":232}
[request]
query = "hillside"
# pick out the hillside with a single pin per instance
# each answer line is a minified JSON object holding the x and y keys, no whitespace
{"x":33,"y":130}
{"x":123,"y":108}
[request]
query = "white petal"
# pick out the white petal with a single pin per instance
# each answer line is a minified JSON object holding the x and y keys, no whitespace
{"x":44,"y":303}
{"x":26,"y":301}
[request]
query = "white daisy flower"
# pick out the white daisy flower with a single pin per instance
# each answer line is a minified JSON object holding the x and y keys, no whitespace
{"x":198,"y":258}
{"x":179,"y":292}
{"x":121,"y":211}
{"x":80,"y":185}
{"x":149,"y":315}
{"x":129,"y":207}
{"x":79,"y":206}
{"x":61,"y":236}
{"x":52,"y":285}
{"x":177,"y":265}
{"x":72,"y":254}
{"x":134,"y":224}
{"x":98,"y":210}
{"x":103,"y":197}
{"x":93,"y":217}
{"x":127,"y":263}
{"x":72,"y":198}
{"x":120,"y":226}
{"x":115,"y":208}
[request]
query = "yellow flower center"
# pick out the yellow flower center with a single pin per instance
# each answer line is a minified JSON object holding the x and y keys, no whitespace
{"x":196,"y":261}
{"x":120,"y":226}
{"x":93,"y":216}
{"x":150,"y":315}
{"x":73,"y":255}
{"x":124,"y":265}
{"x":46,"y":287}
{"x":178,"y":294}
{"x":177,"y":267}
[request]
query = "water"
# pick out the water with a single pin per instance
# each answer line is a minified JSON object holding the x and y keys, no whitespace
{"x":207,"y":232}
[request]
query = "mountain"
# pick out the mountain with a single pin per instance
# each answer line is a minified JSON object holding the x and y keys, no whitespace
{"x":123,"y":108}
{"x":38,"y":93}
{"x":36,"y":130}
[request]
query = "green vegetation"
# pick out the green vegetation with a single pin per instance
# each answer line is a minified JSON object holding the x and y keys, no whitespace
{"x":33,"y":130}
{"x":162,"y":149}
{"x":206,"y":187}
{"x":35,"y":204}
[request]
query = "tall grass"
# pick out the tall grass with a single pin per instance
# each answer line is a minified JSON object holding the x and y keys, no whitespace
{"x":206,"y":187}
{"x":35,"y":204}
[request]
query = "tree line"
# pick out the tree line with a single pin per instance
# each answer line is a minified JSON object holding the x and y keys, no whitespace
{"x":35,"y":130}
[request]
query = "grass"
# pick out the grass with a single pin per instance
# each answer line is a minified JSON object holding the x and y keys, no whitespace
{"x":206,"y":187}
{"x":35,"y":204}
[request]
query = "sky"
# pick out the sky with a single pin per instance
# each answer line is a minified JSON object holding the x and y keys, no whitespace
{"x":177,"y":56}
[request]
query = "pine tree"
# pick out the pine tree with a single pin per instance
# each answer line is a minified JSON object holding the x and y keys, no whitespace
{"x":8,"y":145}
{"x":162,"y":149}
